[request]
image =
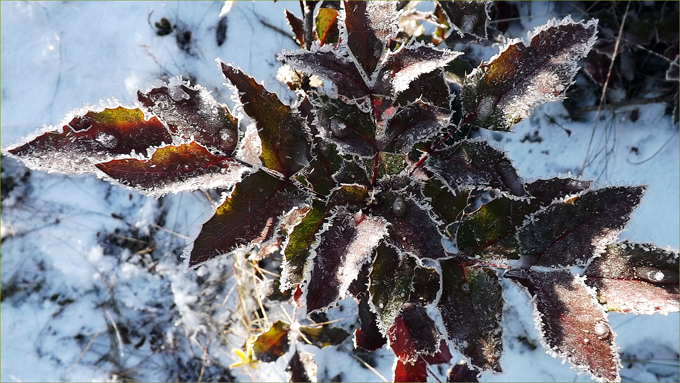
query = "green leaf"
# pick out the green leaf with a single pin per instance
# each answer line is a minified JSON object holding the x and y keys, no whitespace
{"x":570,"y":232}
{"x":426,"y":284}
{"x":192,"y":113}
{"x":501,"y":93}
{"x":172,"y":169}
{"x":471,"y":305}
{"x":446,"y":205}
{"x":489,"y":233}
{"x":273,"y":343}
{"x":635,"y":278}
{"x":282,"y":132}
{"x":390,"y":283}
{"x":468,"y":164}
{"x":250,"y":215}
{"x":91,"y":138}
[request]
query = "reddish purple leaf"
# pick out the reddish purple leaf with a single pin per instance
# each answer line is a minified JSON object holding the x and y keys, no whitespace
{"x":572,"y":323}
{"x":411,"y":226}
{"x":637,"y":278}
{"x":467,"y":17}
{"x":192,"y":113}
{"x":345,"y":244}
{"x":282,"y":132}
{"x":571,"y":232}
{"x":413,"y":123}
{"x":91,"y":138}
{"x":473,"y":164}
{"x":471,"y":305}
{"x":346,"y":125}
{"x":368,"y":336}
{"x":368,"y":26}
{"x":547,"y":191}
{"x":173,"y":169}
{"x":410,"y":62}
{"x":502,"y":92}
{"x":410,"y":371}
{"x":297,"y":27}
{"x":414,"y":334}
{"x":301,"y":367}
{"x":250,"y":215}
{"x":331,"y":65}
{"x":462,"y":372}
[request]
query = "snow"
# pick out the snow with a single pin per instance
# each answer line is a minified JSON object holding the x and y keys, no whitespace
{"x":73,"y":296}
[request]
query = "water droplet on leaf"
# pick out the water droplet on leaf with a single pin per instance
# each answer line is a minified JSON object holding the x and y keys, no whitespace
{"x":399,"y":207}
{"x":601,"y":329}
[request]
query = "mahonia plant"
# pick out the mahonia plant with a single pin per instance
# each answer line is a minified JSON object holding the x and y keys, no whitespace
{"x":360,"y":183}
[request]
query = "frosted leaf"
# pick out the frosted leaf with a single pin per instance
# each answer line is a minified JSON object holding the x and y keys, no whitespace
{"x":368,"y":336}
{"x":344,"y":245}
{"x":191,"y":113}
{"x":174,"y":169}
{"x":572,"y":231}
{"x":636,"y":278}
{"x":568,"y":311}
{"x":467,"y":17}
{"x":471,"y":306}
{"x":356,"y":128}
{"x":414,"y":334}
{"x":390,"y":284}
{"x":412,"y":123}
{"x":331,"y":65}
{"x":471,"y":163}
{"x":91,"y":138}
{"x":410,"y":371}
{"x":281,"y":130}
{"x":297,"y":26}
{"x":502,"y":92}
{"x":409,"y":62}
{"x":250,"y":215}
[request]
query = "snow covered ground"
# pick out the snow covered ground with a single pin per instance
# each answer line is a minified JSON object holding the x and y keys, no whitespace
{"x":93,"y":285}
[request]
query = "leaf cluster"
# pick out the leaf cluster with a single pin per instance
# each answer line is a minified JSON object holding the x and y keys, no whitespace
{"x":359,"y":184}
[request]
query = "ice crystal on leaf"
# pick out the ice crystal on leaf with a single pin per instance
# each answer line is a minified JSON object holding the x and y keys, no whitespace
{"x":356,"y":189}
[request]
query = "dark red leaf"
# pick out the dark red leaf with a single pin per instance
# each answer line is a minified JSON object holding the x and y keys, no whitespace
{"x":501,"y":93}
{"x":471,"y":305}
{"x":346,"y":125}
{"x":473,"y":164}
{"x":637,"y":278}
{"x":91,"y":138}
{"x":572,"y":323}
{"x":429,"y":87}
{"x":413,"y":334}
{"x":467,"y":16}
{"x":410,"y":372}
{"x":301,"y":367}
{"x":368,"y":26}
{"x":413,"y":123}
{"x":250,"y":215}
{"x":546,"y":191}
{"x":571,"y":232}
{"x":368,"y":336}
{"x":297,"y":27}
{"x":440,"y":357}
{"x":462,"y":372}
{"x":411,"y":61}
{"x":283,"y":133}
{"x":172,"y":169}
{"x":273,"y":343}
{"x":411,"y":226}
{"x":192,"y":113}
{"x":332,"y":66}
